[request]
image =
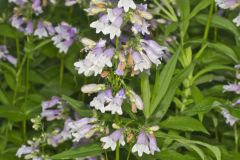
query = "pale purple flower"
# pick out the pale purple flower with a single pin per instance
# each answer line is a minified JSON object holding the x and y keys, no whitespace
{"x":111,"y":140}
{"x":142,"y":145}
{"x":96,"y":60}
{"x":231,"y":120}
{"x":226,"y":4}
{"x":18,"y":2}
{"x":37,"y":7}
{"x":101,"y":99}
{"x":100,"y":24}
{"x":115,"y":105}
{"x":62,"y":136}
{"x":119,"y":70}
{"x":23,"y":150}
{"x":65,"y":36}
{"x":153,"y":144}
{"x":82,"y":128}
{"x":17,"y":22}
{"x":4,"y":54}
{"x":29,"y":28}
{"x":70,"y":2}
{"x":127,"y":4}
{"x":136,"y":100}
{"x":41,"y":30}
{"x":49,"y":104}
{"x":232,"y":88}
{"x":237,"y":20}
{"x":92,"y":88}
{"x":141,"y":62}
{"x":52,"y":109}
{"x":154,"y":51}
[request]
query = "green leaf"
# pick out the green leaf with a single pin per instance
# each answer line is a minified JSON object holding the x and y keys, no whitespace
{"x":162,"y":82}
{"x":219,"y":22}
{"x":183,"y":123}
{"x":146,"y":95}
{"x":78,"y":106}
{"x":10,"y":32}
{"x":200,"y":6}
{"x":224,"y":49}
{"x":81,"y":152}
{"x":11,"y":113}
{"x":175,"y":82}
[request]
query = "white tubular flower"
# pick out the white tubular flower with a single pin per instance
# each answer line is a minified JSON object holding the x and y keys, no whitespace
{"x":126,"y":4}
{"x":111,"y":140}
{"x":92,"y":88}
{"x":142,"y":145}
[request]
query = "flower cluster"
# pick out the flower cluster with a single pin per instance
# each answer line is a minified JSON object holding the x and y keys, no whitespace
{"x":4,"y":55}
{"x":129,"y":50}
{"x":230,"y":4}
{"x":63,"y":35}
{"x":232,"y":87}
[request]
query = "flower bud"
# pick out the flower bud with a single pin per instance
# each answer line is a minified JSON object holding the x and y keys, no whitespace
{"x":92,"y":88}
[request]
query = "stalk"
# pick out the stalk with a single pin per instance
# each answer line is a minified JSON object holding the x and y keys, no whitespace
{"x":118,"y":151}
{"x":236,"y":136}
{"x":61,"y":72}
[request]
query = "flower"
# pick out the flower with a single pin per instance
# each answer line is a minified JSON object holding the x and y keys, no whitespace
{"x":141,"y":61}
{"x":115,"y":105}
{"x":17,"y":22}
{"x":237,"y":20}
{"x":96,"y":60}
{"x":111,"y":140}
{"x":62,"y":136}
{"x":36,"y":6}
{"x":50,"y":112}
{"x":229,"y":118}
{"x":23,"y":150}
{"x":29,"y":28}
{"x":70,"y":2}
{"x":232,"y":88}
{"x":82,"y":128}
{"x":142,"y":145}
{"x":136,"y":101}
{"x":92,"y":88}
{"x":102,"y":98}
{"x":65,"y":36}
{"x":18,"y":2}
{"x":226,"y":4}
{"x":44,"y":29}
{"x":4,"y":54}
{"x":153,"y":144}
{"x":126,"y":4}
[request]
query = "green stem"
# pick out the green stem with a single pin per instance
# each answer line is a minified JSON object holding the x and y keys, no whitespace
{"x":206,"y":32}
{"x":27,"y":77}
{"x":236,"y":136}
{"x":118,"y":152}
{"x":18,"y":52}
{"x":106,"y":156}
{"x":129,"y":154}
{"x":24,"y":125}
{"x":61,"y":72}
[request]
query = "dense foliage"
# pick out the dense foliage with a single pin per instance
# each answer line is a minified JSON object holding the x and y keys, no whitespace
{"x":119,"y":79}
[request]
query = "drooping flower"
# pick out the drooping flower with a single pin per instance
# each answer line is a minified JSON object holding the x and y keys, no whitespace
{"x":37,"y":7}
{"x":231,"y":120}
{"x":17,"y":22}
{"x":153,"y":144}
{"x":70,"y":2}
{"x":30,"y":151}
{"x":115,"y":105}
{"x":142,"y":145}
{"x":52,"y":109}
{"x":237,"y":20}
{"x":112,"y":140}
{"x":100,"y":101}
{"x":92,"y":88}
{"x":96,"y":60}
{"x":44,"y":29}
{"x":154,"y":51}
{"x":65,"y":36}
{"x":60,"y":136}
{"x":82,"y":128}
{"x":232,"y":88}
{"x":226,"y":4}
{"x":18,"y":2}
{"x":4,"y":54}
{"x":29,"y":28}
{"x":136,"y":101}
{"x":141,"y":61}
{"x":127,"y":4}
